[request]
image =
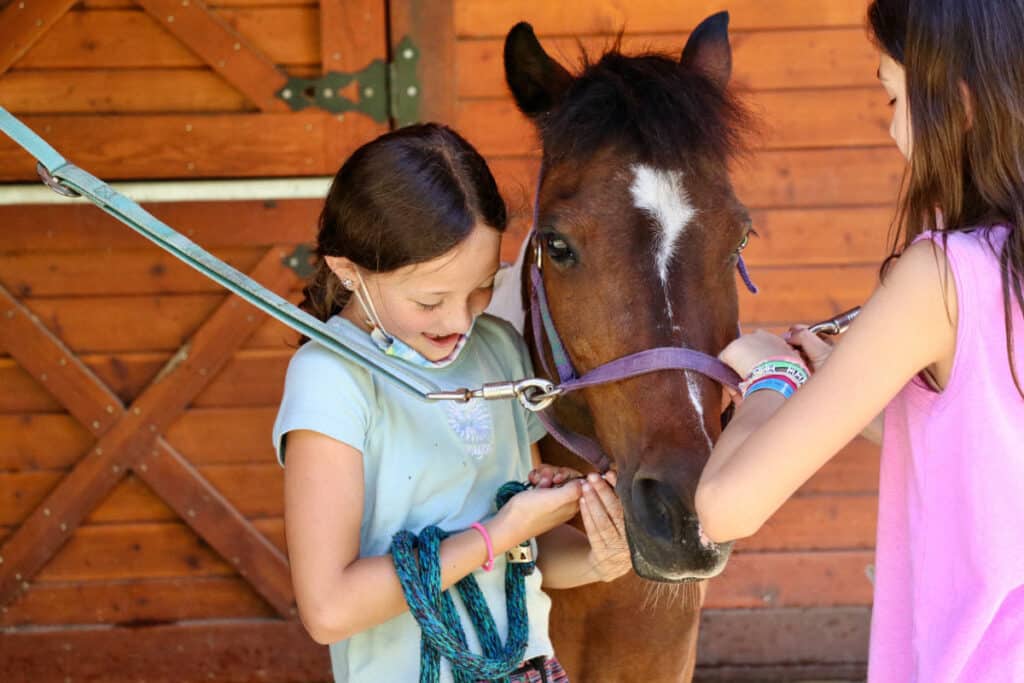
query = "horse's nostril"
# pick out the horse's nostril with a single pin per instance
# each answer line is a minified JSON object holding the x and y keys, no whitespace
{"x":658,"y":509}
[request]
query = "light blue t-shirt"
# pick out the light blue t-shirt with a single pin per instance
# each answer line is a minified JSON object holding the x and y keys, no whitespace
{"x":424,"y":464}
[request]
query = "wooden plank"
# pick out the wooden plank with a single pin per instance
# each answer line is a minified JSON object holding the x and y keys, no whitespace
{"x":124,"y":91}
{"x":223,"y":48}
{"x":40,"y":441}
{"x":821,"y":579}
{"x":225,"y":651}
{"x":488,"y":19}
{"x":223,"y":145}
{"x":221,"y":525}
{"x":140,"y":550}
{"x":821,"y":178}
{"x":791,"y":295}
{"x":217,"y":4}
{"x":212,"y":224}
{"x":850,"y":117}
{"x":431,"y":25}
{"x":818,"y":522}
{"x":853,"y":470}
{"x":762,"y":60}
{"x":23,"y":22}
{"x":48,"y":527}
{"x":107,"y":272}
{"x":782,"y":673}
{"x":131,"y":39}
{"x":225,"y":437}
{"x":775,"y":636}
{"x":250,"y":379}
{"x":103,"y":324}
{"x":136,"y":602}
{"x":830,"y":236}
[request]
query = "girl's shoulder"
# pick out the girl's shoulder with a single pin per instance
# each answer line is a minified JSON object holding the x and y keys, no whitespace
{"x":314,"y":365}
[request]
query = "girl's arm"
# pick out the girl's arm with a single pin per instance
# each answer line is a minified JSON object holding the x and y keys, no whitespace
{"x":339,"y":594}
{"x":568,"y":557}
{"x":773,"y":446}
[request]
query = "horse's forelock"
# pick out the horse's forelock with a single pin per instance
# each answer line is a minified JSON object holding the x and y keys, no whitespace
{"x":652,"y":107}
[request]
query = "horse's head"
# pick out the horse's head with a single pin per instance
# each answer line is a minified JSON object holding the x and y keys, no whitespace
{"x":640,"y":233}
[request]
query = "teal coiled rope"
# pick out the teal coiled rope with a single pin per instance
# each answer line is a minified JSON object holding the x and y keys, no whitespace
{"x":417,"y":561}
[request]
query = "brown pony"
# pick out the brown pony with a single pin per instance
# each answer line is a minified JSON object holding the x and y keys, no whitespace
{"x":640,"y":233}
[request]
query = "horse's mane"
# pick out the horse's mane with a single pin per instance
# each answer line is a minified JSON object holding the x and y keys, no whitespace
{"x":650,"y":106}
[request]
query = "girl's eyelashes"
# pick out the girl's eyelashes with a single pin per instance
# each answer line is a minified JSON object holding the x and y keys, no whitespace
{"x":429,"y":307}
{"x":892,"y":102}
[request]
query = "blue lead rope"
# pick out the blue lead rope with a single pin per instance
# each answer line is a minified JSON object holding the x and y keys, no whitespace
{"x":418,"y":563}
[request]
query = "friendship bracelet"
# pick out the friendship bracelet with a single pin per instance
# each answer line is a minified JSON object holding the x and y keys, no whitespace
{"x":489,"y":564}
{"x":775,"y":384}
{"x":780,"y":366}
{"x":797,"y":371}
{"x":745,"y":387}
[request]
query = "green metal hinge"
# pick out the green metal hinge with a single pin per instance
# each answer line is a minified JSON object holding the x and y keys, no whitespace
{"x":385,"y":90}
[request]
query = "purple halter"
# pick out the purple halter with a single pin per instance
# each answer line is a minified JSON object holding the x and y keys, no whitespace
{"x":644,"y":362}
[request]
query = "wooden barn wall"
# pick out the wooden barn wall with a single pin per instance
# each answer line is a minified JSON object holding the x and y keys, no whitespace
{"x":135,"y":589}
{"x":821,"y":185}
{"x":136,"y":397}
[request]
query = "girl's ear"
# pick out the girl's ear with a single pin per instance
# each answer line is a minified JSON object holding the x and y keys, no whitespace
{"x":536,"y":80}
{"x":343,"y":268}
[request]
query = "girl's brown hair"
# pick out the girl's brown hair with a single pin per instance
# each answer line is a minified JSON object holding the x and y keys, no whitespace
{"x":406,"y":197}
{"x":964,"y":65}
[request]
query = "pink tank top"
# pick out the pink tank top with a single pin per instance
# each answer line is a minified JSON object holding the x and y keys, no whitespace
{"x":949,"y":577}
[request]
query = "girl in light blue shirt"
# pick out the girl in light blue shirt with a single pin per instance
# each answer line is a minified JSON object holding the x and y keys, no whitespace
{"x":407,"y":254}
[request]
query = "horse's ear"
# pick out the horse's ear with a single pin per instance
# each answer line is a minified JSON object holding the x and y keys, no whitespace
{"x":536,"y":80}
{"x":708,"y":49}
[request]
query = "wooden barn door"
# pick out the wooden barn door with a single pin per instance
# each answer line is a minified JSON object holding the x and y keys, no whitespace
{"x":140,"y":504}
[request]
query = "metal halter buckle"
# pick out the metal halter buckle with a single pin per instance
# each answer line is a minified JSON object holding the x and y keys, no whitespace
{"x":54,"y":183}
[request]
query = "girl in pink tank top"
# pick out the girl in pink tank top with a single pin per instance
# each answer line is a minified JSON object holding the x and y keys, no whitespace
{"x":933,"y":367}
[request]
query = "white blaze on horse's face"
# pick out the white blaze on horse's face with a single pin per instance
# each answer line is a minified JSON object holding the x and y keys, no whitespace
{"x":661,"y":194}
{"x":663,"y":197}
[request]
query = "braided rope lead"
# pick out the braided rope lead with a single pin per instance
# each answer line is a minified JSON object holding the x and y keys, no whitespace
{"x":418,"y":563}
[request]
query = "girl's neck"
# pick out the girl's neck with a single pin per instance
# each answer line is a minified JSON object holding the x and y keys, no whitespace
{"x":353,"y":313}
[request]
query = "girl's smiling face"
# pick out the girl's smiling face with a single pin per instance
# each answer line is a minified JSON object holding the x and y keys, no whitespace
{"x":429,"y":305}
{"x":893,"y":79}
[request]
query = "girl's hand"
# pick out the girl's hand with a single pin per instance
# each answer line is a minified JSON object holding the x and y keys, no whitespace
{"x":532,"y":512}
{"x":601,"y":511}
{"x":547,"y":476}
{"x":813,"y":348}
{"x":750,"y":349}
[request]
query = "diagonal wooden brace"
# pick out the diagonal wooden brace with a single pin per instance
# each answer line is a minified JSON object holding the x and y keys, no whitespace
{"x":23,"y":22}
{"x":126,"y":436}
{"x":220,"y":46}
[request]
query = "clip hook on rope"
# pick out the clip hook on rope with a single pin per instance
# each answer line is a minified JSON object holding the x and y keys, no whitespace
{"x":534,"y":394}
{"x":54,"y":183}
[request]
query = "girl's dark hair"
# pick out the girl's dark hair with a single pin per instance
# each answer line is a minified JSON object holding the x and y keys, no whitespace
{"x":964,"y":65}
{"x":406,"y":197}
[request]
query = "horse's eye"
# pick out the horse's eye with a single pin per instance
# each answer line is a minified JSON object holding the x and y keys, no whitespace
{"x":559,"y":250}
{"x":746,"y":239}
